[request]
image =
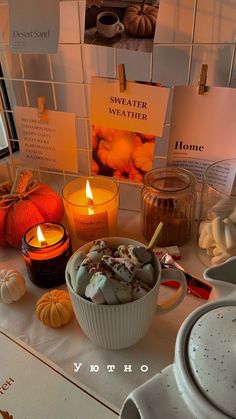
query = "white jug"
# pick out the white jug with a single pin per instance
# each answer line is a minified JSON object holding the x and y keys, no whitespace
{"x":201,"y":383}
{"x":222,"y":278}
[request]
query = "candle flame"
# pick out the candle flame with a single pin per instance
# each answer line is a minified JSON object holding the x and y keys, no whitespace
{"x":89,"y":197}
{"x":89,"y":194}
{"x":40,"y":235}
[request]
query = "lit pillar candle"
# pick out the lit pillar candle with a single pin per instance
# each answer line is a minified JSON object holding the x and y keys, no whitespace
{"x":46,"y":248}
{"x":91,"y":208}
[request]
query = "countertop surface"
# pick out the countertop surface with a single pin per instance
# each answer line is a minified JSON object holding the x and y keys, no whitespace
{"x":68,"y":347}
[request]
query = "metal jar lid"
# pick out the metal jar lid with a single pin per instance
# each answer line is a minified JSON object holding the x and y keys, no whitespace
{"x":211,"y":353}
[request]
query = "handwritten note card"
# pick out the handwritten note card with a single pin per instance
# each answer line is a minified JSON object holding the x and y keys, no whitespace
{"x":49,"y":141}
{"x":141,"y":108}
{"x":34,"y":26}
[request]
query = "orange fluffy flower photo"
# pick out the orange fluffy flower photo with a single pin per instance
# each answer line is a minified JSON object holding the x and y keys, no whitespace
{"x":121,"y":154}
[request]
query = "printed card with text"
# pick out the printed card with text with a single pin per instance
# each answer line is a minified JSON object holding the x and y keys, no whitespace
{"x":26,"y":373}
{"x":203,"y":127}
{"x":34,"y":26}
{"x":48,"y":141}
{"x":141,"y":108}
{"x":124,"y":127}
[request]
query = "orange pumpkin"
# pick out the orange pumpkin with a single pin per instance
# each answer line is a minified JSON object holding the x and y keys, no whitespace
{"x":143,"y":156}
{"x":116,"y":148}
{"x":54,"y":308}
{"x":140,"y":21}
{"x":26,"y":203}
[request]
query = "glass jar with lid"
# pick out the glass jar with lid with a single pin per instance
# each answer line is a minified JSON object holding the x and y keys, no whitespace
{"x":169,"y":195}
{"x":217,"y":227}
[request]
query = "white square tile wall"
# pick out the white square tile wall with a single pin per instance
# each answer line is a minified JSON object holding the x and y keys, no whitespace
{"x":218,"y":58}
{"x":17,"y":93}
{"x":10,"y":63}
{"x":98,"y":61}
{"x":161,"y":145}
{"x":67,"y":64}
{"x":69,"y":22}
{"x":82,"y":135}
{"x":185,"y":31}
{"x":36,"y":89}
{"x":36,"y":67}
{"x":170,"y":64}
{"x":175,"y":21}
{"x":217,"y":28}
{"x":137,"y":64}
{"x":233,"y":77}
{"x":4,"y":18}
{"x":71,"y":98}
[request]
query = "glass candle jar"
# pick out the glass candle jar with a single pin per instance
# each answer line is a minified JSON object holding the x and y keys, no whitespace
{"x":46,"y":253}
{"x":91,"y":207}
{"x":169,"y":195}
{"x":217,"y":228}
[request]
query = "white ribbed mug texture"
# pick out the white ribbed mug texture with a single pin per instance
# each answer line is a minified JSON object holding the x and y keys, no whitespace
{"x":115,"y":326}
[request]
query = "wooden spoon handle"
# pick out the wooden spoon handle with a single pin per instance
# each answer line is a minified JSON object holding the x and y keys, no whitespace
{"x":156,"y":236}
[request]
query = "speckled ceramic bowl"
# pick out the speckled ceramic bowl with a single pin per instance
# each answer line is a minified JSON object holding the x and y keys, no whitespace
{"x":205,"y":366}
{"x":202,"y":381}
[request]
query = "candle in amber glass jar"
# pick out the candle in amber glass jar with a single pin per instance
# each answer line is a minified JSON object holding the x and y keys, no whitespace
{"x":46,"y":249}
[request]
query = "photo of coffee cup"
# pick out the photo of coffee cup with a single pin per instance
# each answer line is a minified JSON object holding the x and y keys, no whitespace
{"x":108,"y":24}
{"x":121,"y":24}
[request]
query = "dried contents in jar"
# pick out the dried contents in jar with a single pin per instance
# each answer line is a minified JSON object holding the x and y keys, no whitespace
{"x":169,"y":196}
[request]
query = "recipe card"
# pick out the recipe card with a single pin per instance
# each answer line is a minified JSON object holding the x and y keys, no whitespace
{"x":47,"y":140}
{"x":141,"y":108}
{"x":203,"y":128}
{"x":34,"y":26}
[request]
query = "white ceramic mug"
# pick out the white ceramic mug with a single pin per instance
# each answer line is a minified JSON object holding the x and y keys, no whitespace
{"x":122,"y":325}
{"x":108,"y":24}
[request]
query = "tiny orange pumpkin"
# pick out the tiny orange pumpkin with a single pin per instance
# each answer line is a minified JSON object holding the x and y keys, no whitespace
{"x":54,"y":308}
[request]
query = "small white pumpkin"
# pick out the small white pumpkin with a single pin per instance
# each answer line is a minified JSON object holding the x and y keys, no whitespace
{"x":12,"y":286}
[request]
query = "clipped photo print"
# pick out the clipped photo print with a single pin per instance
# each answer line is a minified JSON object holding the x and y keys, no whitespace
{"x":121,"y":154}
{"x":121,"y":23}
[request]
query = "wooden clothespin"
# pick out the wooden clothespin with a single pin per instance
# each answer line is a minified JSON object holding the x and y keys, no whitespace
{"x":42,"y":112}
{"x":122,"y":79}
{"x":41,"y":105}
{"x":203,"y":79}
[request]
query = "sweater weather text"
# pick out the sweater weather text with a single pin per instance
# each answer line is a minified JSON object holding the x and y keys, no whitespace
{"x":128,"y":113}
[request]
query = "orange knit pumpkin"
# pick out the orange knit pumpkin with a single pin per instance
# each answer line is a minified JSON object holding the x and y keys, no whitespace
{"x":26,"y":203}
{"x":54,"y":308}
{"x":140,"y":21}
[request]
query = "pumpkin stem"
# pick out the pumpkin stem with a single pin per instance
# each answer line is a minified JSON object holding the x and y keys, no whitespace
{"x":22,"y":182}
{"x":23,"y":186}
{"x":6,"y":415}
{"x":142,"y":6}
